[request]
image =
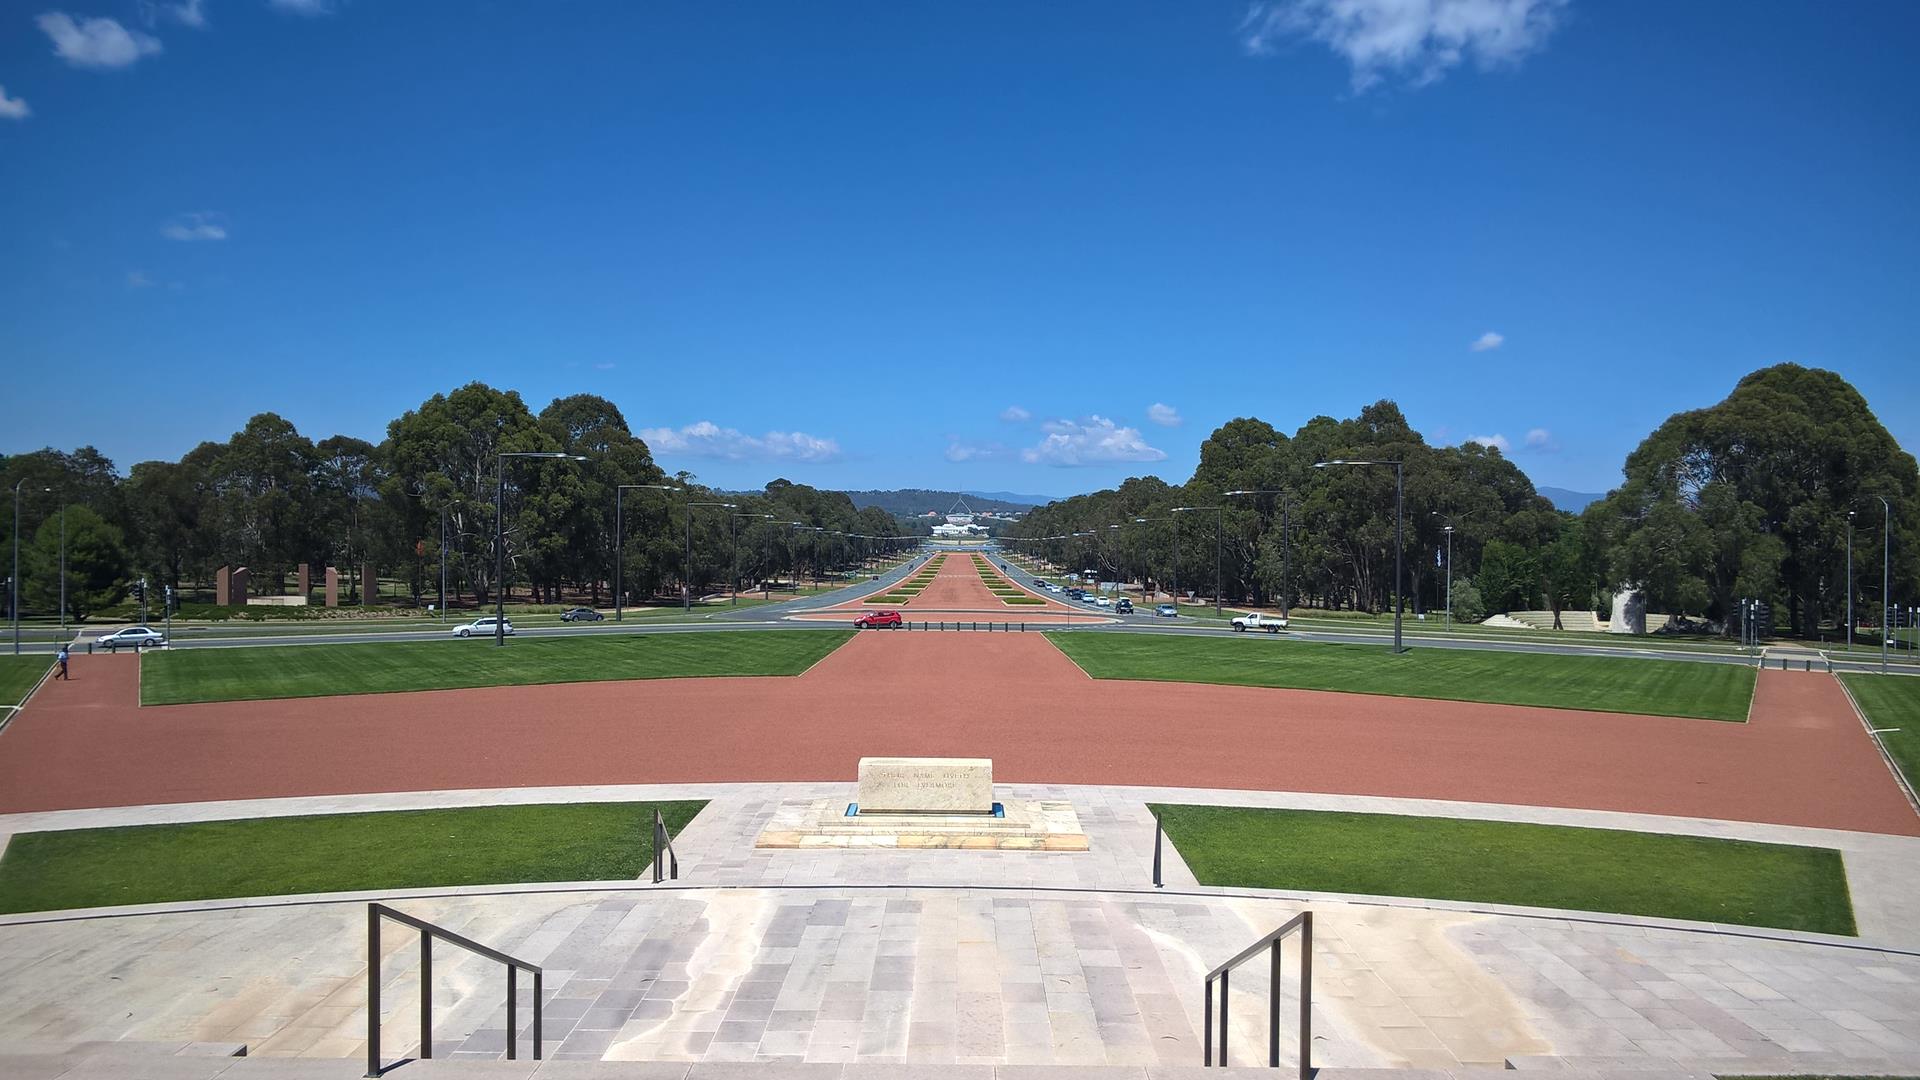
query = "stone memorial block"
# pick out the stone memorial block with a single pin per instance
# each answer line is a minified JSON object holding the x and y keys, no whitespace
{"x":916,"y":785}
{"x":237,"y":586}
{"x":333,"y":587}
{"x":223,"y":586}
{"x":306,"y":580}
{"x":369,"y":585}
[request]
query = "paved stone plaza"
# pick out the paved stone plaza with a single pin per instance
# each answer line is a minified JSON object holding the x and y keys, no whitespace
{"x":970,"y":956}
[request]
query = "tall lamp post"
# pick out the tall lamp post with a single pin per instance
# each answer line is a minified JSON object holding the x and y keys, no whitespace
{"x":500,"y":535}
{"x":1219,"y":539}
{"x":732,"y":553}
{"x":1286,"y":540}
{"x":13,"y":583}
{"x":766,"y":558}
{"x":620,"y":545}
{"x":1399,"y":505}
{"x":1849,"y":581}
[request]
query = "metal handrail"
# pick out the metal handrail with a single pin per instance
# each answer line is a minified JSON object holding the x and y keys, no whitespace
{"x":1302,"y":922}
{"x":663,"y":844}
{"x":428,"y":931}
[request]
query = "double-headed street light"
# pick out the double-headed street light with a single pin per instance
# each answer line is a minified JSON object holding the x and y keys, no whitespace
{"x":620,"y":544}
{"x":1850,"y":581}
{"x":500,"y":534}
{"x":766,"y":587}
{"x":1399,"y":505}
{"x":1219,"y":538}
{"x":1886,"y":576}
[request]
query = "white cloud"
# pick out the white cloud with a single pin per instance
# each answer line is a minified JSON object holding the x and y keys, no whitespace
{"x":959,"y":450}
{"x":1487,"y":341}
{"x":186,"y":12}
{"x":1417,"y":39}
{"x":195,"y":226}
{"x":1164,"y":415}
{"x":1014,"y":414}
{"x":13,"y":108}
{"x":1497,"y":442}
{"x":709,"y":440}
{"x":302,"y":7}
{"x":95,"y":43}
{"x":1539,"y":439}
{"x":1093,"y":441}
{"x":138,"y":279}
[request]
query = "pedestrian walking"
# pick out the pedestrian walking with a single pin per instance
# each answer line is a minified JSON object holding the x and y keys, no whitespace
{"x":62,"y":658}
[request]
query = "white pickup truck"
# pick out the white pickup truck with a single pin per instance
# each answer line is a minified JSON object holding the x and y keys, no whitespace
{"x":1253,"y":620}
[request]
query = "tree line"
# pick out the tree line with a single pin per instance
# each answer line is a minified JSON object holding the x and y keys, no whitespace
{"x":1749,"y":498}
{"x":270,"y":498}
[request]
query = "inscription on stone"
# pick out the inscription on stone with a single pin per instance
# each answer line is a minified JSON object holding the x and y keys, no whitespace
{"x":910,"y":785}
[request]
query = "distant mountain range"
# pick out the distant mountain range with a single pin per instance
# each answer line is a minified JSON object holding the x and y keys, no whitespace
{"x":1571,"y":501}
{"x":913,"y":502}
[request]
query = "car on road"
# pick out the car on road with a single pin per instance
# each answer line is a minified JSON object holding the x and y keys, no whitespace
{"x":1167,"y":611}
{"x":132,"y":637}
{"x":1123,"y":606}
{"x":1254,"y":620}
{"x":581,"y":614}
{"x":484,"y":627}
{"x":1103,"y":601}
{"x":877,"y":620}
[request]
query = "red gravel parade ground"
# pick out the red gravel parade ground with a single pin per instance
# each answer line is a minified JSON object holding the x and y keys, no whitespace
{"x":1803,"y":759}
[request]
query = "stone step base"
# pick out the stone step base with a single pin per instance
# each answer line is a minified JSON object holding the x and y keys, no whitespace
{"x":1783,"y":1064}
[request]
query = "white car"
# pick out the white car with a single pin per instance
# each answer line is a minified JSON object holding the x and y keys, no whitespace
{"x":133,"y":637}
{"x":1103,"y":601}
{"x":483,"y":627}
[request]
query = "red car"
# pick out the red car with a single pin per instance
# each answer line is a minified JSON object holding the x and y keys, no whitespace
{"x":877,"y":619}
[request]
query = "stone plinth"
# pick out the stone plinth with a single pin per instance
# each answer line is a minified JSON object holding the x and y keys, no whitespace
{"x":277,"y":601}
{"x":1038,"y":825}
{"x":223,"y":586}
{"x":909,"y":785}
{"x":237,"y":586}
{"x":369,"y":585}
{"x":333,"y":587}
{"x":306,"y":580}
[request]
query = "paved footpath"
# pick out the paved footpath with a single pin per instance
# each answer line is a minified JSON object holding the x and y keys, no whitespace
{"x":956,"y":956}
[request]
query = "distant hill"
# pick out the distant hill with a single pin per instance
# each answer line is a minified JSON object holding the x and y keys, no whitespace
{"x":1571,"y":501}
{"x":913,"y":502}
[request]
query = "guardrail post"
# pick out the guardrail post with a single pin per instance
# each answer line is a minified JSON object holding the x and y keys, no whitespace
{"x":426,"y":995}
{"x":1306,"y":995}
{"x":1225,"y":986}
{"x":513,"y":1009}
{"x":373,"y":990}
{"x":1273,"y":1007}
{"x":1158,"y":833}
{"x":536,"y":1015}
{"x":1206,"y":1025}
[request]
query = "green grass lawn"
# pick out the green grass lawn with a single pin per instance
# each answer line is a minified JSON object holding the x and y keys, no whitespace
{"x":1610,"y":684}
{"x":481,"y":845}
{"x":18,"y":674}
{"x":1502,"y":862}
{"x":185,"y":675}
{"x":1892,"y":701}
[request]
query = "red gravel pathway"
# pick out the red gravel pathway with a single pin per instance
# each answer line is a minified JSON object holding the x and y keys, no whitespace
{"x":1803,"y":760}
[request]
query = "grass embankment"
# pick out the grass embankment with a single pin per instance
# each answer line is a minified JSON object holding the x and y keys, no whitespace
{"x":17,"y":676}
{"x":481,"y":845}
{"x":1892,"y":701}
{"x":188,"y":675}
{"x":1502,"y":862}
{"x":1603,"y":683}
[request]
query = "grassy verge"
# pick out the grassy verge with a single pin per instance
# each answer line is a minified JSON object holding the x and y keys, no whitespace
{"x":1608,"y":684}
{"x":481,"y":845}
{"x":186,"y":675}
{"x":1892,"y":702}
{"x":1503,"y":862}
{"x":18,"y":674}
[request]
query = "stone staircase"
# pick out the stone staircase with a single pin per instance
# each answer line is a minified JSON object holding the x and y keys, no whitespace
{"x":228,"y":1061}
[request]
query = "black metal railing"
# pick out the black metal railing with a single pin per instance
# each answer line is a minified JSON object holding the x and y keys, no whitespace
{"x":663,"y":849}
{"x":428,"y":931}
{"x":1270,"y":944}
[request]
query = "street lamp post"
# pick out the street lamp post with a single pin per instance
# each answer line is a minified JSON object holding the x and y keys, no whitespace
{"x":1449,"y":531}
{"x":13,"y":585}
{"x":1849,"y":581}
{"x":1286,"y":540}
{"x":620,"y":545}
{"x":1399,"y":505}
{"x":1219,"y":540}
{"x":500,"y":536}
{"x":686,"y":603}
{"x":766,"y":589}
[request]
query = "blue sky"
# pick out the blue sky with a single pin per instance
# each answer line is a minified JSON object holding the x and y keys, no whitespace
{"x":965,"y":245}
